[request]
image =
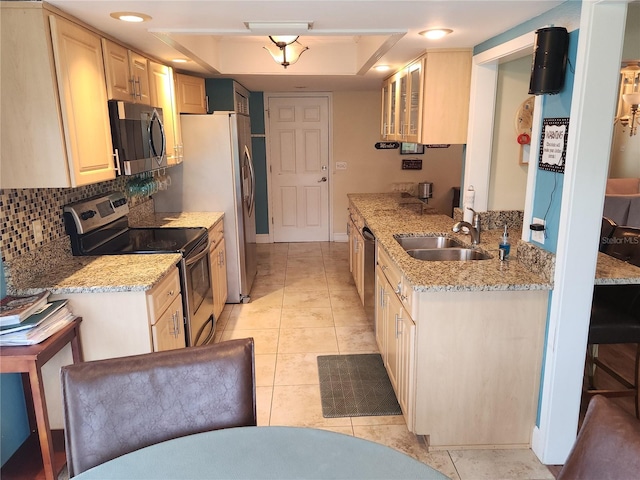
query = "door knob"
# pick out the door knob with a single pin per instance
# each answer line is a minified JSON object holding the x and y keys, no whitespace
{"x":323,"y":179}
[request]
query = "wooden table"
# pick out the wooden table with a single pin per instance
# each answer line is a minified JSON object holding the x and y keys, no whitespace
{"x":28,"y":361}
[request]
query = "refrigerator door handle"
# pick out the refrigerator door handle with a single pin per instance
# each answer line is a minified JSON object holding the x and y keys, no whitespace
{"x":252,"y":190}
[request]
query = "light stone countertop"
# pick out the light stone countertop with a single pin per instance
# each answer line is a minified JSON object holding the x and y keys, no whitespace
{"x":389,"y":214}
{"x":58,"y":271}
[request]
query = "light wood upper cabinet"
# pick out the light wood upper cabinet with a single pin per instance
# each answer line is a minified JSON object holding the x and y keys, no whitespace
{"x":428,"y":100}
{"x":191,"y":94}
{"x":163,"y":95}
{"x":127,"y":74}
{"x":55,"y":127}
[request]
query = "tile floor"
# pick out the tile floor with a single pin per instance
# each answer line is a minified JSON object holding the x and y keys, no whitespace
{"x":304,"y":304}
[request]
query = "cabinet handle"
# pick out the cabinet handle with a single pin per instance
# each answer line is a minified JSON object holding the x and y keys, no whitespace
{"x":397,"y":332}
{"x":139,"y":92}
{"x":383,"y":267}
{"x":116,"y":157}
{"x":397,"y":290}
{"x":170,"y":293}
{"x":132,"y":81}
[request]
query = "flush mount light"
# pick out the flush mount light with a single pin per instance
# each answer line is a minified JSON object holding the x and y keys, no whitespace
{"x":133,"y":17}
{"x":382,"y":68}
{"x":179,"y":60}
{"x":286,"y":49}
{"x":436,"y":33}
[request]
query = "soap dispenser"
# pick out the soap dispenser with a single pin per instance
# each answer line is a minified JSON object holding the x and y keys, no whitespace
{"x":504,"y":246}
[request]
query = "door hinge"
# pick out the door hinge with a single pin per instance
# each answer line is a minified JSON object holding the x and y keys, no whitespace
{"x":271,"y":220}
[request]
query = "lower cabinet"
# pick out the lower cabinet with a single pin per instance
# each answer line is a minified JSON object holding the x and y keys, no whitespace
{"x":166,"y":314}
{"x":356,"y":252}
{"x":217,"y":259}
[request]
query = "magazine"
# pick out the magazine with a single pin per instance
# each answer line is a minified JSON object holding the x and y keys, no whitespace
{"x":35,"y":319}
{"x":14,"y":309}
{"x":39,"y":333}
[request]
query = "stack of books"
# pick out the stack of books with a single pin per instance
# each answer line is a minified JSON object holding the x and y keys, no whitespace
{"x":27,"y":320}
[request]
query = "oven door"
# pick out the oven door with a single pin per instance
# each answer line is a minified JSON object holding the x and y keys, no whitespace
{"x":198,"y":296}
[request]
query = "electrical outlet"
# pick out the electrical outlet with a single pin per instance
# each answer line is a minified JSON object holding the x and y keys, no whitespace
{"x":36,"y":225}
{"x":341,"y":165}
{"x":538,"y":235}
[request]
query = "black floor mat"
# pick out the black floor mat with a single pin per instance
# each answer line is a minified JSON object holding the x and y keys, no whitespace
{"x":355,"y":386}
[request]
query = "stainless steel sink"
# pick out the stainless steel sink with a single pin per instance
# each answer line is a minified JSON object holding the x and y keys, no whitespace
{"x":447,"y":254}
{"x":411,"y":243}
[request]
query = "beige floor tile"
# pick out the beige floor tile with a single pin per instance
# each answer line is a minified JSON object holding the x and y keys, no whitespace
{"x":267,"y":294}
{"x":340,"y":281}
{"x":304,"y":269}
{"x":317,"y":283}
{"x":297,"y":369}
{"x":309,"y":317}
{"x":270,"y":276}
{"x":305,"y":249}
{"x":343,"y":430}
{"x":251,"y":316}
{"x":357,"y":339}
{"x":299,"y":405}
{"x":517,"y":464}
{"x":263,"y":405}
{"x":272,"y":248}
{"x":337,"y":268}
{"x":345,"y":299}
{"x":306,"y":299}
{"x":266,"y":341}
{"x":265,"y":369}
{"x":399,"y":438}
{"x":350,"y":316}
{"x":378,"y":420}
{"x":308,"y":340}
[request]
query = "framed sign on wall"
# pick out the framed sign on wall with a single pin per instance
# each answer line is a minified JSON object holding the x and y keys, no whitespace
{"x":553,"y":144}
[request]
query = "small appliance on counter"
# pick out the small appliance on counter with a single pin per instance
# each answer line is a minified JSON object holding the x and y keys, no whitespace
{"x":425,"y":191}
{"x":100,"y":226}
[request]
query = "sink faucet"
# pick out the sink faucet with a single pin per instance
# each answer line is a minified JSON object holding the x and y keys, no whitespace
{"x":474,"y":230}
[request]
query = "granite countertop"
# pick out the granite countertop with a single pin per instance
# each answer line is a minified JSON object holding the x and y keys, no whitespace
{"x":57,"y":270}
{"x":390,"y":214}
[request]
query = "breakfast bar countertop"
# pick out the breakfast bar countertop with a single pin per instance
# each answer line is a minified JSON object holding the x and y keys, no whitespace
{"x":61,"y":273}
{"x":388,"y":214}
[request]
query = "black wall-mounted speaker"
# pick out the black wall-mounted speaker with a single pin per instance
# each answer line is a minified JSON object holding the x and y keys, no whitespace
{"x":549,"y":61}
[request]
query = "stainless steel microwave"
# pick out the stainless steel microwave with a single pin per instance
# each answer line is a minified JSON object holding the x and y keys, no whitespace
{"x":137,"y":132}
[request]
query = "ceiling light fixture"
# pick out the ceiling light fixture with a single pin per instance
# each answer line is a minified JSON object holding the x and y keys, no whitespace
{"x":133,"y":17}
{"x":436,"y":33}
{"x":630,"y":96}
{"x":179,"y":60}
{"x":286,"y":49}
{"x":382,"y":68}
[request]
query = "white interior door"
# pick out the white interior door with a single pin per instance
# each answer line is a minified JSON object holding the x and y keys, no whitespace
{"x":299,"y":163}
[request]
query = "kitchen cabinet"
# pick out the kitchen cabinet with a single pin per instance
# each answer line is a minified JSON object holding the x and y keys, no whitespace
{"x":163,"y":95}
{"x":226,"y":95}
{"x":356,"y":251}
{"x":166,"y":315}
{"x":55,"y":127}
{"x":428,"y":100}
{"x":445,"y":349}
{"x":126,"y":73}
{"x":191,"y":94}
{"x":217,"y":259}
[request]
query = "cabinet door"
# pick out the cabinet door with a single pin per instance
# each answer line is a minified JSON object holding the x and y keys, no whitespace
{"x":163,"y":95}
{"x":218,"y":278}
{"x":386,"y":108}
{"x":394,"y":309}
{"x":139,"y":69}
{"x":413,"y":114}
{"x":359,"y":277}
{"x":382,"y":303}
{"x":168,"y":331}
{"x":406,"y":337}
{"x":191,"y":96}
{"x":83,"y":102}
{"x":120,"y":84}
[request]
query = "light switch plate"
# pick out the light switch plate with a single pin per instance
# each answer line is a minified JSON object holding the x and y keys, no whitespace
{"x":341,"y":165}
{"x":538,"y":236}
{"x":36,"y":225}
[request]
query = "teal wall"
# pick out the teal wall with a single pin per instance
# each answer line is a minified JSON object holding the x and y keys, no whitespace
{"x":259,"y":150}
{"x":14,"y":425}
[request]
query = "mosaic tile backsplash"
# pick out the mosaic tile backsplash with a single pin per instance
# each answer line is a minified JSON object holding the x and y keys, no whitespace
{"x":20,"y":207}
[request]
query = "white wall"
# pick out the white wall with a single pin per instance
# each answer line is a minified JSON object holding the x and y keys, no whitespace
{"x":508,"y":179}
{"x":356,"y":127}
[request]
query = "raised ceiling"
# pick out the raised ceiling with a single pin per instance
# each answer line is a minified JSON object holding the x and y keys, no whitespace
{"x":346,"y":38}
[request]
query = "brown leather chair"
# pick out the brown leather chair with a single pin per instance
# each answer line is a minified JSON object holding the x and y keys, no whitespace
{"x":115,"y":406}
{"x":607,"y":446}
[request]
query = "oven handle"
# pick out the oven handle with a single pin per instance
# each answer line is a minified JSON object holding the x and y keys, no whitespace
{"x":196,"y":258}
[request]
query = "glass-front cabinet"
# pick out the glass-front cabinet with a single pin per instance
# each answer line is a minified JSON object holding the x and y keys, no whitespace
{"x":401,"y":102}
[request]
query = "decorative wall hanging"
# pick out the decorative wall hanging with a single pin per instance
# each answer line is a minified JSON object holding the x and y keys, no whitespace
{"x":553,"y":144}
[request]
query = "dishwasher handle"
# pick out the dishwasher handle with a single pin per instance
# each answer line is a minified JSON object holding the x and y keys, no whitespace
{"x":368,"y":234}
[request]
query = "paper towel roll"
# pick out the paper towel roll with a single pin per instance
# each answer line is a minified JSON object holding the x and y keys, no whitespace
{"x":469,"y":198}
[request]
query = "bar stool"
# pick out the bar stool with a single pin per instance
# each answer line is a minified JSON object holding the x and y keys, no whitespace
{"x":615,"y":318}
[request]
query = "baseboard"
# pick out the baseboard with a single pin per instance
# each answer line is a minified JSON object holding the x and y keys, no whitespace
{"x":263,"y":238}
{"x":340,"y":237}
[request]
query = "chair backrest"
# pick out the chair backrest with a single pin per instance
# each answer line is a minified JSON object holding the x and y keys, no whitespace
{"x":607,"y":446}
{"x":608,"y":226}
{"x":115,"y":406}
{"x":624,"y":244}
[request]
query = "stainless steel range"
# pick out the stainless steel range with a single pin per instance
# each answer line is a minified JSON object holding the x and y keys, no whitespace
{"x":100,"y":226}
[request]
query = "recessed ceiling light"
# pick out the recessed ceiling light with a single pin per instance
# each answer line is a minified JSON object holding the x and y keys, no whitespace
{"x":436,"y":33}
{"x":179,"y":60}
{"x":382,"y":68}
{"x":133,"y":17}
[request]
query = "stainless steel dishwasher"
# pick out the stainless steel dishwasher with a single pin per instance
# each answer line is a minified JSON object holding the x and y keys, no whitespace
{"x":369,"y":273}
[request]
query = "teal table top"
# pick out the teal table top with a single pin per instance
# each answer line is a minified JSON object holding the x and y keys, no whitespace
{"x":264,"y":453}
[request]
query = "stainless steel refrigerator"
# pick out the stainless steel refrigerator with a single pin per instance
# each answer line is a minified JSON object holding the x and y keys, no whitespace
{"x":217,"y":175}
